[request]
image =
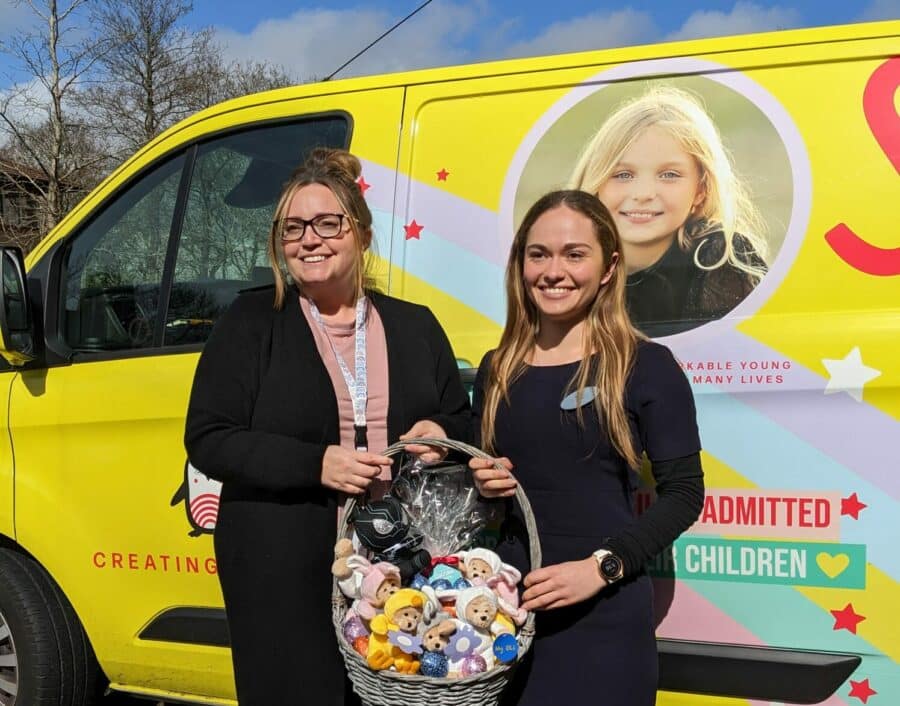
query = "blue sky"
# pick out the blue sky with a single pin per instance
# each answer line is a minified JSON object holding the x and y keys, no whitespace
{"x":312,"y":39}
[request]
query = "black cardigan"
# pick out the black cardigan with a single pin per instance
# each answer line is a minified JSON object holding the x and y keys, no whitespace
{"x":230,"y":438}
{"x":674,"y":294}
{"x":262,"y":412}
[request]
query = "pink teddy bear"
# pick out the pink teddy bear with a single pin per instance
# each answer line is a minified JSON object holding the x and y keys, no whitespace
{"x":380,"y":582}
{"x":370,"y":585}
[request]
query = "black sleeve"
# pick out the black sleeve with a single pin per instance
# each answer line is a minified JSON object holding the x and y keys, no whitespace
{"x":679,"y":490}
{"x":218,"y":435}
{"x":660,"y":400}
{"x":663,"y":404}
{"x":453,"y":405}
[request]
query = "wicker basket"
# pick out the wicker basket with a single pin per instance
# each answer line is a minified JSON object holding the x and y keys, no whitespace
{"x":388,"y":688}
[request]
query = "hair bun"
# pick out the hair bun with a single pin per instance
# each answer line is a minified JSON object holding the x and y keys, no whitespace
{"x":337,"y":162}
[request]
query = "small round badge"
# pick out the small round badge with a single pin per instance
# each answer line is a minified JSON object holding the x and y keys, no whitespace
{"x":506,"y":648}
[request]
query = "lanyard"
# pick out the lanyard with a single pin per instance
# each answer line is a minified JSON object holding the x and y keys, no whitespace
{"x":357,"y":385}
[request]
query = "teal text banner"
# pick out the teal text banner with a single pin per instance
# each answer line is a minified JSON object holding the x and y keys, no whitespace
{"x":829,"y":565}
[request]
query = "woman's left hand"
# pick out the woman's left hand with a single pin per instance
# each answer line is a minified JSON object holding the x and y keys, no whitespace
{"x":422,"y":429}
{"x":562,"y":585}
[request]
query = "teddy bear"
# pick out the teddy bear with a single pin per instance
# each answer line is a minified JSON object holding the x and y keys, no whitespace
{"x":381,"y":527}
{"x":477,"y":607}
{"x":380,"y":582}
{"x":437,"y":637}
{"x":482,"y":567}
{"x":345,"y":569}
{"x":394,"y":642}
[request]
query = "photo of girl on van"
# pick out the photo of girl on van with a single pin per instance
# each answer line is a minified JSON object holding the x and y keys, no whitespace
{"x":694,"y":244}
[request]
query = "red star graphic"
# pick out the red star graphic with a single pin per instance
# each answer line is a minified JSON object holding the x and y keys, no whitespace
{"x":861,"y":690}
{"x":443,"y":174}
{"x":852,"y":506}
{"x":413,"y":230}
{"x":363,"y":186}
{"x":847,"y":618}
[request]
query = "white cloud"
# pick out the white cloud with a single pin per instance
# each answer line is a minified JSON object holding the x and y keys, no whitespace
{"x":27,"y":104}
{"x":24,"y":104}
{"x":881,"y":10}
{"x":313,"y":43}
{"x":744,"y":18}
{"x":592,"y":31}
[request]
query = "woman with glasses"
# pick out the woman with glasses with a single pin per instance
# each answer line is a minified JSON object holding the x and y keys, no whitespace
{"x":298,"y":387}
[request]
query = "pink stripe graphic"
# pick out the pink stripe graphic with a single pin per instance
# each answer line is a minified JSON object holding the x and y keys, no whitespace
{"x":856,"y":435}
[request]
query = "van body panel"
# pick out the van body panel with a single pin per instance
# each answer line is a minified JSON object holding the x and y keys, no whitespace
{"x":104,"y":483}
{"x":107,"y":457}
{"x":7,"y":467}
{"x":758,"y":374}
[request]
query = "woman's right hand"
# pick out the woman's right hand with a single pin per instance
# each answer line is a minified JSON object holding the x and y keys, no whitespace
{"x":491,"y":481}
{"x":349,"y":471}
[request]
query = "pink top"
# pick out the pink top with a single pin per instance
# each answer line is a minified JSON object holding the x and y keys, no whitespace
{"x":344,"y":339}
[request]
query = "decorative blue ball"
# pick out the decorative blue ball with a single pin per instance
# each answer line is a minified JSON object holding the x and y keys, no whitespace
{"x":441,"y":585}
{"x":506,"y":648}
{"x":434,"y":664}
{"x":461,"y":584}
{"x":418,"y":581}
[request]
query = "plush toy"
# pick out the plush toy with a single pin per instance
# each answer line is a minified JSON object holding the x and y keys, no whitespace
{"x":344,"y":569}
{"x":437,"y":637}
{"x":482,"y":567}
{"x":382,"y":580}
{"x":393,"y":642}
{"x":464,"y":643}
{"x":382,"y":528}
{"x":477,"y":606}
{"x":434,"y":663}
{"x":370,"y":585}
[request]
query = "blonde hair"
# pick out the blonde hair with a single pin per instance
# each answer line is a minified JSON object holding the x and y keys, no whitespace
{"x":725,"y":206}
{"x":338,"y":170}
{"x":608,"y":330}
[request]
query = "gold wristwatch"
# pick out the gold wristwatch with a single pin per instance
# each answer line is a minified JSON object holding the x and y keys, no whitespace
{"x":610,"y":565}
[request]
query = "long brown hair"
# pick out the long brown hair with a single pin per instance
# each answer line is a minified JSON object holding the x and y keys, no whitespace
{"x":608,"y":332}
{"x":338,"y":170}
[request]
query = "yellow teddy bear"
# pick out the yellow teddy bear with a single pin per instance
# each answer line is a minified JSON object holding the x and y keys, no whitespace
{"x":403,"y":612}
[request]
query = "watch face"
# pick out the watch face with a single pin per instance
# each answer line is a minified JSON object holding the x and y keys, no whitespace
{"x":611,"y":567}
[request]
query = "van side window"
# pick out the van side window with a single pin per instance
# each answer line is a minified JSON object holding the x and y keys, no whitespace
{"x":235,"y":183}
{"x":114,"y":268}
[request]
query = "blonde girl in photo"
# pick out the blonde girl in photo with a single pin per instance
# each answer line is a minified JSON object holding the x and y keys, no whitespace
{"x":693,"y":242}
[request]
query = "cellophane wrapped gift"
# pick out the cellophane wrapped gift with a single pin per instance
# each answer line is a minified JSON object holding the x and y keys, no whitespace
{"x":443,"y":505}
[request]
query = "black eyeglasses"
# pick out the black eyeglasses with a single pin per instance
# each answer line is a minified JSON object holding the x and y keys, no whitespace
{"x":325,"y":225}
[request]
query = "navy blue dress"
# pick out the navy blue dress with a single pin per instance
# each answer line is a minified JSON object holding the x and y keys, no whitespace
{"x":602,"y":650}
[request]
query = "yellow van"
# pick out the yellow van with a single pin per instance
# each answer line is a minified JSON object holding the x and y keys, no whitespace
{"x":786,"y":588}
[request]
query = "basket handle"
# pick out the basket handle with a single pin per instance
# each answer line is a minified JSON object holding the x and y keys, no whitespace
{"x":398,"y":447}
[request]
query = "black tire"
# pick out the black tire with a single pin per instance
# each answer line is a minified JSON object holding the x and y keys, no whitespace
{"x":55,"y":665}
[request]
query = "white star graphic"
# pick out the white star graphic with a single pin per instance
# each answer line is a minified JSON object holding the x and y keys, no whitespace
{"x":849,"y":374}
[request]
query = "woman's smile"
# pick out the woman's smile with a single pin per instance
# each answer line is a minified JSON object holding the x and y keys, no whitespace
{"x":563,"y":265}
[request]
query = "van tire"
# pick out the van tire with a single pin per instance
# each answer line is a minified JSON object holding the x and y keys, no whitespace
{"x":56,"y":664}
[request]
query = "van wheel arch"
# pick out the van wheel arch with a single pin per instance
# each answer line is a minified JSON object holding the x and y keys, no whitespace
{"x":50,"y":658}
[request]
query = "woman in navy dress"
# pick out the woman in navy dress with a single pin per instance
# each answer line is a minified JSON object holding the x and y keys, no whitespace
{"x":569,"y":402}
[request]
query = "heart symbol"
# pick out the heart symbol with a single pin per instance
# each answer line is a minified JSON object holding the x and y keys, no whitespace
{"x":832,"y":566}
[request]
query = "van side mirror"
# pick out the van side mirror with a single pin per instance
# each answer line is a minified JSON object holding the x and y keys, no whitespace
{"x":16,"y":326}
